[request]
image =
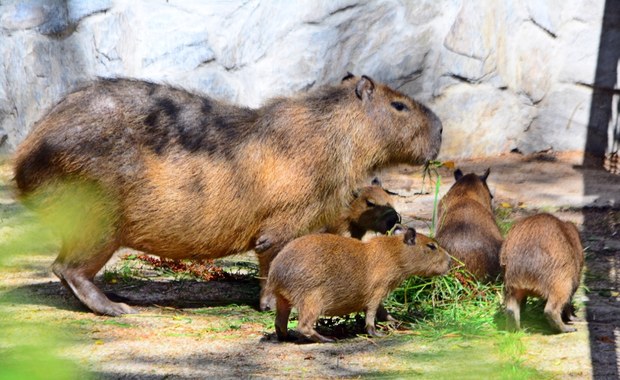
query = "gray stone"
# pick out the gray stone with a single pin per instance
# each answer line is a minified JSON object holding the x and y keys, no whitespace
{"x":500,"y":74}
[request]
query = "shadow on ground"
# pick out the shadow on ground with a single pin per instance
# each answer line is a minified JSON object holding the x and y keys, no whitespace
{"x":184,"y":294}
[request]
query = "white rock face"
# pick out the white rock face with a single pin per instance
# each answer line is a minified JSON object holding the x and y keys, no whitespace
{"x":500,"y":74}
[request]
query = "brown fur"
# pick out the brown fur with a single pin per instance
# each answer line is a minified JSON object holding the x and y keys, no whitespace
{"x":466,"y":225}
{"x":323,"y":274}
{"x":542,"y":257}
{"x":370,"y":210}
{"x":189,"y":176}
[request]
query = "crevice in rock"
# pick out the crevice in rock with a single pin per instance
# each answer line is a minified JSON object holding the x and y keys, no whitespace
{"x":550,"y":33}
{"x":206,"y":62}
{"x":343,"y":9}
{"x":463,"y":79}
{"x":408,"y":78}
{"x":330,"y":14}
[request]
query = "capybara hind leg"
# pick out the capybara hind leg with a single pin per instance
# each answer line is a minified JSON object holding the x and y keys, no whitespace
{"x":513,"y":311}
{"x":553,"y":312}
{"x":309,"y":312}
{"x":283,"y":311}
{"x":77,"y":270}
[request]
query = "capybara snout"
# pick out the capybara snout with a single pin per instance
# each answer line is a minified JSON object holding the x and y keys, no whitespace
{"x":325,"y":274}
{"x":542,"y":256}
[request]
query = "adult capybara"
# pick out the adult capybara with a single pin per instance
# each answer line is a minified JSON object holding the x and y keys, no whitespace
{"x":542,"y":257}
{"x":370,"y":210}
{"x":181,"y":175}
{"x":466,"y":226}
{"x":324,"y":274}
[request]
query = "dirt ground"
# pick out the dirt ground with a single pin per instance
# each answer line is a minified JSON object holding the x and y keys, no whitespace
{"x":190,"y":329}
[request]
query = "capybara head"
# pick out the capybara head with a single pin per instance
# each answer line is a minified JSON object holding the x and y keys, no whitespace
{"x":421,"y":255}
{"x":372,"y":210}
{"x":402,"y":120}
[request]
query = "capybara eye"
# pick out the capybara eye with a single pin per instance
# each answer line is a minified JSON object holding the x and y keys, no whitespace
{"x":399,"y":106}
{"x":431,"y":246}
{"x":370,"y":203}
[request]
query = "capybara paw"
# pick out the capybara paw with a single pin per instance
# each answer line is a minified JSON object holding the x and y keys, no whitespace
{"x":372,"y":331}
{"x":568,"y":329}
{"x":116,"y":309}
{"x":322,"y":339}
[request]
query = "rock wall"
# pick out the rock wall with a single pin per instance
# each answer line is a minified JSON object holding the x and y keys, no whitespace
{"x":501,"y":74}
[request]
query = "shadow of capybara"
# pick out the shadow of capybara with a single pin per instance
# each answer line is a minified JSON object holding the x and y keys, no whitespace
{"x":370,"y":210}
{"x":181,"y":175}
{"x":466,"y":226}
{"x":332,"y":275}
{"x":542,"y":257}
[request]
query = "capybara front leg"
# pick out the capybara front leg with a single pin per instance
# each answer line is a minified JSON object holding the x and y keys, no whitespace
{"x":77,"y":270}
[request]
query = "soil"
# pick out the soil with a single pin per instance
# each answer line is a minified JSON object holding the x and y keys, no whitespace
{"x":192,"y":329}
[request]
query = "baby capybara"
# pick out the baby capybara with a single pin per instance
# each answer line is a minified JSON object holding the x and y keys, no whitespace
{"x":181,"y":175}
{"x":324,"y":274}
{"x":370,"y":210}
{"x":466,"y":226}
{"x":542,"y":257}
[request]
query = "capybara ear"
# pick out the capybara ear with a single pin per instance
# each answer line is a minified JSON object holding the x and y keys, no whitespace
{"x":347,"y":77}
{"x":365,"y":87}
{"x":410,"y":236}
{"x":458,"y":174}
{"x":376,"y":182}
{"x":485,"y":175}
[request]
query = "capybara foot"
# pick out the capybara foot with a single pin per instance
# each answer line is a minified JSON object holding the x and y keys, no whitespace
{"x":90,"y":295}
{"x":316,"y":337}
{"x":313,"y":335}
{"x":555,"y":321}
{"x":372,"y":331}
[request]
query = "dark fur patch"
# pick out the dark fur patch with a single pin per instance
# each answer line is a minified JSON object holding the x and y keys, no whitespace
{"x":29,"y":172}
{"x":168,"y":107}
{"x":206,"y":106}
{"x":151,"y":119}
{"x":152,"y":87}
